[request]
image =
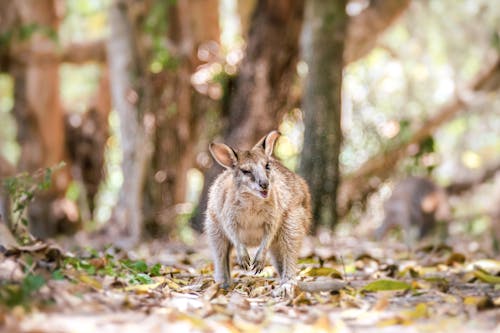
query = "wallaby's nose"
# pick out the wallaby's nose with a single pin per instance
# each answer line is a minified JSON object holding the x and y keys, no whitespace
{"x":264,"y":184}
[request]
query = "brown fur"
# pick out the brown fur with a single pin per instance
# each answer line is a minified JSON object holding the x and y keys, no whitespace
{"x":239,"y":215}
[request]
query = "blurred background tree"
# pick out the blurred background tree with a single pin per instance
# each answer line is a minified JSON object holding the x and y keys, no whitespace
{"x":323,"y":39}
{"x":129,"y":93}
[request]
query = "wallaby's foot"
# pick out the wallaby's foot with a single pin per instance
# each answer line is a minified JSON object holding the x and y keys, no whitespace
{"x":259,"y":262}
{"x":226,"y":285}
{"x":243,"y":258}
{"x":287,"y":289}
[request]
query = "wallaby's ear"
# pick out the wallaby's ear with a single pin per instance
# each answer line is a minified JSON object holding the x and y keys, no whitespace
{"x":223,"y":154}
{"x":267,"y":142}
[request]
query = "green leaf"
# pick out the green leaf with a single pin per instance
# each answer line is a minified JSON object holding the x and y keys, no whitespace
{"x":485,"y":277}
{"x":32,"y":283}
{"x":142,"y":278}
{"x":384,"y":285}
{"x":57,"y":275}
{"x":155,"y":270}
{"x":90,"y":270}
{"x":138,"y":266}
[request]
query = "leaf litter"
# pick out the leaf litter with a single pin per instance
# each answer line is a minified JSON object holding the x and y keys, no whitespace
{"x":350,"y":285}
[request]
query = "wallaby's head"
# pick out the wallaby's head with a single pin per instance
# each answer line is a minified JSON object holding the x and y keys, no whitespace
{"x":251,"y":168}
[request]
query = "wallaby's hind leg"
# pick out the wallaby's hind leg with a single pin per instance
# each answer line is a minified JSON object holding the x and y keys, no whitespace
{"x":221,"y":250}
{"x":284,"y":258}
{"x":285,"y":250}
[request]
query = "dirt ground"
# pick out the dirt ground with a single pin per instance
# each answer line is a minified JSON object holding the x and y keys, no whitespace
{"x":345,"y":285}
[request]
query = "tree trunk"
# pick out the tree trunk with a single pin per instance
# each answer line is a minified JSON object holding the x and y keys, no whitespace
{"x":178,"y":113}
{"x":267,"y":73}
{"x":324,"y":36}
{"x":262,"y":88}
{"x":39,"y":116}
{"x":128,"y":97}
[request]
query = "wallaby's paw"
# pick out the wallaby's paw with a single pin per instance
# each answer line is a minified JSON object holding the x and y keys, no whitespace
{"x":259,"y":262}
{"x":288,"y":289}
{"x":243,"y":259}
{"x":258,"y":265}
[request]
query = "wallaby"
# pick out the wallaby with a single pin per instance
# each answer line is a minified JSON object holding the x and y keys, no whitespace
{"x":416,"y":204}
{"x":256,"y":201}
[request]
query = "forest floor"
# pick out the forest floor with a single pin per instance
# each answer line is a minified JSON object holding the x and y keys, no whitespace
{"x":164,"y":287}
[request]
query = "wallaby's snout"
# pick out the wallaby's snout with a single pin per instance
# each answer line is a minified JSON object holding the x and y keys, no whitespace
{"x":264,"y":188}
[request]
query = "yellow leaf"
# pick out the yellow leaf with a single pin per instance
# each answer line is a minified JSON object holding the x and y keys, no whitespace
{"x":301,"y":299}
{"x":172,"y":284}
{"x":391,"y":322}
{"x":420,"y":311}
{"x":321,"y":271}
{"x":90,"y":281}
{"x":480,"y":302}
{"x":142,"y":288}
{"x":421,"y":285}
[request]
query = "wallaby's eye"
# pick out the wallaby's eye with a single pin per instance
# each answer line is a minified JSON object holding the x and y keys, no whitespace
{"x":268,"y":166}
{"x":246,"y":172}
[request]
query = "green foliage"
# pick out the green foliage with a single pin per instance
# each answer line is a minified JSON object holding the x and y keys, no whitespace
{"x":136,"y":266}
{"x":156,"y":26}
{"x":22,"y":189}
{"x":133,"y":271}
{"x":21,"y":294}
{"x":25,"y":32}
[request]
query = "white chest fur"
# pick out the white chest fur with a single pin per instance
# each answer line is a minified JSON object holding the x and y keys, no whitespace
{"x":250,"y":218}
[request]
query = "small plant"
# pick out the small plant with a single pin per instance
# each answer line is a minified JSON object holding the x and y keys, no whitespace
{"x":12,"y":294}
{"x":21,"y":190}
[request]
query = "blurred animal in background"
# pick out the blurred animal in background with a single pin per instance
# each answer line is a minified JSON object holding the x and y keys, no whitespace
{"x":416,"y":206}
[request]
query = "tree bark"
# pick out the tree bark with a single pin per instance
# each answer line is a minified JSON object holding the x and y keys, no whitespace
{"x":358,"y":185}
{"x":324,"y":37}
{"x":128,"y":97}
{"x":266,"y":73}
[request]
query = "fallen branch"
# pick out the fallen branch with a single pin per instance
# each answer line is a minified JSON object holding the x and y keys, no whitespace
{"x":323,"y":285}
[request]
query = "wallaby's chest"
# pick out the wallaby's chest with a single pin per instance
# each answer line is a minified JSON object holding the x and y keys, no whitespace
{"x":251,"y":221}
